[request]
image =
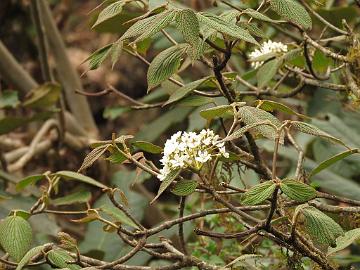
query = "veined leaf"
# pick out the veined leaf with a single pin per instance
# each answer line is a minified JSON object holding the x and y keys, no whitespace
{"x":241,"y":131}
{"x":195,"y":101}
{"x":222,"y":26}
{"x":98,"y":57}
{"x":116,"y":157}
{"x":184,"y":91}
{"x":28,"y":256}
{"x":15,"y":236}
{"x":321,"y":227}
{"x":118,"y":215}
{"x":148,"y":147}
{"x":259,"y":193}
{"x":30,"y":180}
{"x":344,"y":241}
{"x":61,"y":258}
{"x":165,"y":64}
{"x":297,"y":191}
{"x":292,"y":11}
{"x":115,"y":52}
{"x":315,"y":131}
{"x":217,"y":111}
{"x":91,"y":215}
{"x":251,"y":115}
{"x":188,"y":25}
{"x":77,"y":197}
{"x":184,"y":187}
{"x":259,"y":16}
{"x":270,"y":106}
{"x":327,"y":163}
{"x":94,"y":155}
{"x":254,"y":29}
{"x":67,"y":241}
{"x":109,"y":12}
{"x":267,"y":71}
{"x":148,"y":27}
{"x":69,"y":175}
{"x":166,"y":182}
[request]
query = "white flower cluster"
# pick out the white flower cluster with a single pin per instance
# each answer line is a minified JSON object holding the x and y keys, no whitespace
{"x":267,"y":47}
{"x":190,"y":150}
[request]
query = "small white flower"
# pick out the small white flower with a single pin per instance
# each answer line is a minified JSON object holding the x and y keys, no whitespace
{"x":190,"y":150}
{"x":223,"y":152}
{"x":203,"y":156}
{"x":266,"y":48}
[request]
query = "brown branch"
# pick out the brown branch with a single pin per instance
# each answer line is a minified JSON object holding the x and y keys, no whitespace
{"x":181,"y":225}
{"x":13,"y":73}
{"x":67,"y":73}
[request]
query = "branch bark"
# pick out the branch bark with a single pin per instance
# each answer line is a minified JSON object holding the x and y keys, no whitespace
{"x":67,"y":74}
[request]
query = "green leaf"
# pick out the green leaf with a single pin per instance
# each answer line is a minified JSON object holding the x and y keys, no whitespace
{"x":9,"y":99}
{"x":259,"y":16}
{"x":251,"y":115}
{"x":241,"y":131}
{"x":166,"y":182}
{"x":315,"y":131}
{"x":253,"y":29}
{"x":69,"y":175}
{"x":29,"y":180}
{"x":150,"y":26}
{"x":165,"y":64}
{"x":28,"y":256}
{"x":20,"y":213}
{"x":114,"y":112}
{"x":270,"y":106}
{"x":184,"y":91}
{"x":148,"y":147}
{"x":222,"y":26}
{"x":267,"y":71}
{"x":258,"y":193}
{"x":91,"y":215}
{"x":115,"y":52}
{"x":118,"y":215}
{"x":218,"y":111}
{"x":10,"y":123}
{"x":77,"y":197}
{"x":116,"y":157}
{"x":195,"y":101}
{"x":327,"y":163}
{"x":297,"y":191}
{"x":293,"y":11}
{"x":15,"y":236}
{"x":321,"y":227}
{"x":94,"y":155}
{"x":188,"y":25}
{"x":98,"y":57}
{"x":61,"y":258}
{"x":344,"y":241}
{"x":109,"y":12}
{"x":43,"y":96}
{"x":184,"y":187}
